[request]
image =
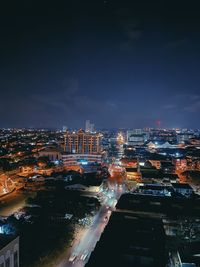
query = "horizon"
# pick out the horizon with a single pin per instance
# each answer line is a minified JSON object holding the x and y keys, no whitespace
{"x":121,"y":63}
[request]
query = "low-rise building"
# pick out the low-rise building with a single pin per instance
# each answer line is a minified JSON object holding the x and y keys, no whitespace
{"x":9,"y":251}
{"x":52,"y":153}
{"x":129,"y":163}
{"x":135,"y":139}
{"x":180,"y":163}
{"x":184,"y":137}
{"x":184,"y":189}
{"x":167,"y":167}
{"x":155,"y":163}
{"x":153,"y":189}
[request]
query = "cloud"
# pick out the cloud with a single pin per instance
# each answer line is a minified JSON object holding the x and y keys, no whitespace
{"x":176,"y":43}
{"x":189,"y":103}
{"x":193,"y":107}
{"x":126,"y":46}
{"x":195,"y":97}
{"x":112,"y":105}
{"x":71,"y":85}
{"x":131,"y":32}
{"x":70,"y":101}
{"x":169,"y":106}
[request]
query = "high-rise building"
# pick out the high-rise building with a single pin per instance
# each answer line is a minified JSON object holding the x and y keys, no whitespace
{"x":92,"y":130}
{"x":64,"y":129}
{"x":89,"y":127}
{"x":82,"y":148}
{"x":82,"y":142}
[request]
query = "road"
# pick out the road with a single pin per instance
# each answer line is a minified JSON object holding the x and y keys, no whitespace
{"x":13,"y":202}
{"x":86,"y":240}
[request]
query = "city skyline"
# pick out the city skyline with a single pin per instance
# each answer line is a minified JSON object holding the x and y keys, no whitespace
{"x":117,"y":64}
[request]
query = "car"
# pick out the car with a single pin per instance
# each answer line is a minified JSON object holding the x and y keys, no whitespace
{"x":84,"y":255}
{"x":72,"y":258}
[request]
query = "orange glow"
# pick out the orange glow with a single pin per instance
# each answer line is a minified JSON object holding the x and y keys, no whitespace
{"x":120,"y":139}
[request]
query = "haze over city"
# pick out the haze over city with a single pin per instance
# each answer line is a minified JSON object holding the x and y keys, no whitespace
{"x":118,"y":64}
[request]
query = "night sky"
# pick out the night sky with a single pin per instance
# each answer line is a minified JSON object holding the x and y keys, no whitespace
{"x":117,"y":63}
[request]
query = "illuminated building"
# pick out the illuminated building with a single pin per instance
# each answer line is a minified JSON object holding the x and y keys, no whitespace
{"x":184,"y":137}
{"x":117,"y":173}
{"x":156,"y":163}
{"x":129,"y":163}
{"x":82,"y":148}
{"x":180,"y":163}
{"x":80,"y":159}
{"x":64,"y":129}
{"x":82,"y":142}
{"x":120,"y":139}
{"x":157,"y":144}
{"x":135,"y":137}
{"x":89,"y":127}
{"x":120,"y":142}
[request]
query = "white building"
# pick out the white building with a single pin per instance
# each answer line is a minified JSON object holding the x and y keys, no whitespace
{"x":9,"y":252}
{"x":135,"y":137}
{"x":78,"y":159}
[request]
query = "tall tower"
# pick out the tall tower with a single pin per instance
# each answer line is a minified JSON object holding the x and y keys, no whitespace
{"x":64,"y":129}
{"x":87,"y":126}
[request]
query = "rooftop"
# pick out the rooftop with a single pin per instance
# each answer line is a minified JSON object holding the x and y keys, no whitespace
{"x":5,"y":240}
{"x":139,"y":240}
{"x":185,"y":186}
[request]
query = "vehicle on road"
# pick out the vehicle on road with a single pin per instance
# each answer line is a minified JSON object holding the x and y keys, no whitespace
{"x":84,"y":255}
{"x":72,"y":258}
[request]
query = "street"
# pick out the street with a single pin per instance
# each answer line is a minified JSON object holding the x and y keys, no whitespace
{"x":86,"y":241}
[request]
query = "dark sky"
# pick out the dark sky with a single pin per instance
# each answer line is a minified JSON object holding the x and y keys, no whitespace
{"x":117,"y":63}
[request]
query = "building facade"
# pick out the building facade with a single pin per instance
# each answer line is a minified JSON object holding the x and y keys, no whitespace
{"x":80,"y":159}
{"x":9,"y":254}
{"x":184,"y":189}
{"x":52,"y":153}
{"x":135,"y":137}
{"x":82,"y":142}
{"x":184,"y":137}
{"x":89,"y":127}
